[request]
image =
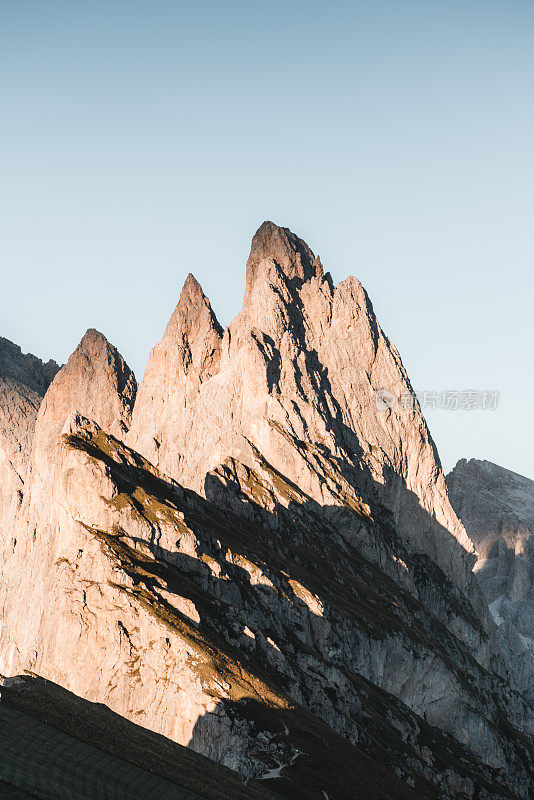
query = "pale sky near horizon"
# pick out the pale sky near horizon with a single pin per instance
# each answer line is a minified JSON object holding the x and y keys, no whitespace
{"x":141,"y":141}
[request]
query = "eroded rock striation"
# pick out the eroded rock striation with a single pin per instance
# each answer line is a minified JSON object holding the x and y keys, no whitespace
{"x":255,"y":558}
{"x":497,"y":508}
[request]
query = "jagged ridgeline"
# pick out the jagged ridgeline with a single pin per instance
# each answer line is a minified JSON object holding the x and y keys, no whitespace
{"x":251,"y":556}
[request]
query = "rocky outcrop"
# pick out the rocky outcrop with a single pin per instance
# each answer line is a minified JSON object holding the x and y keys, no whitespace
{"x":497,"y":509}
{"x":187,"y":356}
{"x":261,"y":561}
{"x":24,"y":380}
{"x":95,"y":379}
{"x":24,"y":368}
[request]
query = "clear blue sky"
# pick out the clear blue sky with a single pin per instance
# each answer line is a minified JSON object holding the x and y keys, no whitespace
{"x":144,"y":140}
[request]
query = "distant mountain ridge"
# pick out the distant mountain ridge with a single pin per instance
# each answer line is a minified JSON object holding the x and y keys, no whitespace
{"x":497,"y":507}
{"x":24,"y":380}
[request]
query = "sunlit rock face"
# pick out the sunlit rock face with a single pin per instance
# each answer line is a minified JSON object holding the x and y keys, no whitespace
{"x":96,"y":378}
{"x":252,"y":557}
{"x":294,"y":380}
{"x":497,"y":509}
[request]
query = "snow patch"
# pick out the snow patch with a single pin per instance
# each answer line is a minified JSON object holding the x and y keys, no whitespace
{"x":495,"y":610}
{"x":276,"y":772}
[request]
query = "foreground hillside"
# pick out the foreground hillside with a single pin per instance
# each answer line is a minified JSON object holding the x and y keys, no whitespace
{"x":251,"y":556}
{"x":48,"y":737}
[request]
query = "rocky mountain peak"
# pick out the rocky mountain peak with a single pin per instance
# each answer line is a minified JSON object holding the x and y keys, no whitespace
{"x":96,"y":357}
{"x":97,"y":382}
{"x":293,"y":383}
{"x":25,"y":368}
{"x":193,"y":316}
{"x":291,"y":254}
{"x":24,"y":379}
{"x":187,"y":356}
{"x":493,"y":502}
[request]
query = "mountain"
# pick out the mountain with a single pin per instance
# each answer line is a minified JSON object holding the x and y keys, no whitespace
{"x":254,"y":553}
{"x":497,"y":508}
{"x":295,"y":378}
{"x":24,"y":380}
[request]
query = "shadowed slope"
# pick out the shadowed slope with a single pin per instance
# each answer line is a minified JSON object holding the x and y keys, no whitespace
{"x":58,"y":746}
{"x":273,"y":609}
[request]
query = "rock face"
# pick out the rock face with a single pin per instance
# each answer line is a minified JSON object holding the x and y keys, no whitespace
{"x":24,"y":380}
{"x":295,"y":378}
{"x":187,"y":356}
{"x":96,"y":378}
{"x":261,"y":560}
{"x":497,"y":509}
